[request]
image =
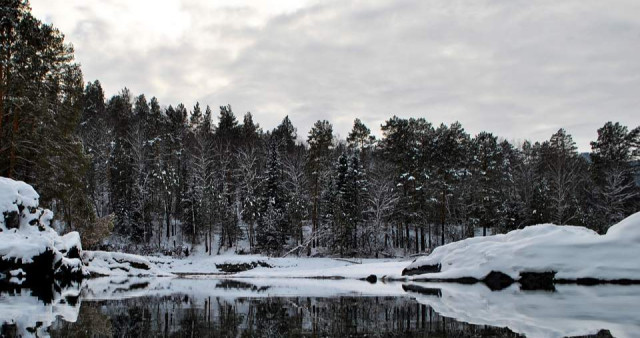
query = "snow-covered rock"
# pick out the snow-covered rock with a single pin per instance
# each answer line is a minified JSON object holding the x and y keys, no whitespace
{"x":27,"y":240}
{"x":103,"y":263}
{"x":572,"y":252}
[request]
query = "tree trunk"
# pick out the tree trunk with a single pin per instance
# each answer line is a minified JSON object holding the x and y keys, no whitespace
{"x":167,"y":219}
{"x":1,"y":102}
{"x":12,"y":153}
{"x":314,"y":214}
{"x":442,"y":214}
{"x":408,"y":240}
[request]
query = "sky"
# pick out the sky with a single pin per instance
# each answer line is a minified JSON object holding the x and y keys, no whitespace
{"x":520,"y":69}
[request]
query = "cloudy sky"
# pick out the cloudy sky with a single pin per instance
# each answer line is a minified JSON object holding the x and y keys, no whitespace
{"x":518,"y":68}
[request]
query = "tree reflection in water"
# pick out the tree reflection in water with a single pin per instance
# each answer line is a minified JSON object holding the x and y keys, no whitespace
{"x":183,"y":316}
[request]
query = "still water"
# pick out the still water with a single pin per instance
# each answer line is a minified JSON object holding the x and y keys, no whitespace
{"x":317,"y":308}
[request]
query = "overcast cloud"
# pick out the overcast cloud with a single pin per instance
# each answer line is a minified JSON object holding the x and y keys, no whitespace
{"x":520,"y":69}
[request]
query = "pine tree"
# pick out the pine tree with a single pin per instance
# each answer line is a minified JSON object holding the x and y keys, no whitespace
{"x":227,"y":125}
{"x":450,"y":166}
{"x":196,"y":116}
{"x":614,"y":168}
{"x":285,"y":135}
{"x":360,"y":136}
{"x":250,"y":133}
{"x":41,"y":92}
{"x":487,"y":174}
{"x":563,"y":171}
{"x":320,"y":142}
{"x":95,"y":132}
{"x":123,"y":187}
{"x":271,"y":231}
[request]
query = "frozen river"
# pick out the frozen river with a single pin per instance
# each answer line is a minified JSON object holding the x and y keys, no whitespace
{"x":200,"y":307}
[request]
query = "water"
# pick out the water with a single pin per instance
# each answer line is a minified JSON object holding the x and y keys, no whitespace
{"x":317,"y":308}
{"x":181,"y":315}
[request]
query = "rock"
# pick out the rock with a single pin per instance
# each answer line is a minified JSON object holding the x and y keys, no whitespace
{"x":422,"y":270}
{"x":372,"y":279}
{"x":537,"y":280}
{"x":239,"y":267}
{"x":497,"y":280}
{"x":29,"y":244}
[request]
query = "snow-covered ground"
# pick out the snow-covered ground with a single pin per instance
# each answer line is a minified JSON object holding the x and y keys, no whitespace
{"x":290,"y":267}
{"x":102,"y":263}
{"x":573,"y":252}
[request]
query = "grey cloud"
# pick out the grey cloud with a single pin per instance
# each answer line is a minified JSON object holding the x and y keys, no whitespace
{"x":520,"y":69}
{"x":517,"y":68}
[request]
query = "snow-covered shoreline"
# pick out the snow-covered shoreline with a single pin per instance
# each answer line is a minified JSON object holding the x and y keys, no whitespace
{"x":567,"y":253}
{"x":30,"y":248}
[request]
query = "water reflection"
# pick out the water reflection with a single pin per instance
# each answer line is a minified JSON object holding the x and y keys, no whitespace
{"x":303,"y":307}
{"x":266,"y":317}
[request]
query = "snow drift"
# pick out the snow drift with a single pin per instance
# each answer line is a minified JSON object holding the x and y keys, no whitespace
{"x":29,"y":247}
{"x":571,"y":252}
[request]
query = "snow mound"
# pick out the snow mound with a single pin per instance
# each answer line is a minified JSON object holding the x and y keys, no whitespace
{"x":570,"y":251}
{"x":13,"y":195}
{"x":26,"y":238}
{"x":103,"y":263}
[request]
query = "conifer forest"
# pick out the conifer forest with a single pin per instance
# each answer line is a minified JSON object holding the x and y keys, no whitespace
{"x":131,"y":173}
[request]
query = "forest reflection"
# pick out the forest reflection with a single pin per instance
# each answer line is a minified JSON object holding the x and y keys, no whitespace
{"x":184,"y":316}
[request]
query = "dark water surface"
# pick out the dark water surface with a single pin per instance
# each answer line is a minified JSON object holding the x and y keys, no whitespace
{"x":343,"y":316}
{"x":164,"y":307}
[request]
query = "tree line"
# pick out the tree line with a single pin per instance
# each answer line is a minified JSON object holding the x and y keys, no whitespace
{"x":128,"y":172}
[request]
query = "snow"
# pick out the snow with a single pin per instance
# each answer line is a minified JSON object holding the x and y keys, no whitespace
{"x":12,"y":195}
{"x":32,"y":235}
{"x":573,"y":252}
{"x":288,"y":267}
{"x":32,"y":316}
{"x":114,"y":288}
{"x":103,"y":263}
{"x":571,"y":310}
{"x":329,"y":268}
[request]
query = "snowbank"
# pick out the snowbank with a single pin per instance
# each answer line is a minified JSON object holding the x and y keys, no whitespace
{"x":572,"y":252}
{"x":27,"y":240}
